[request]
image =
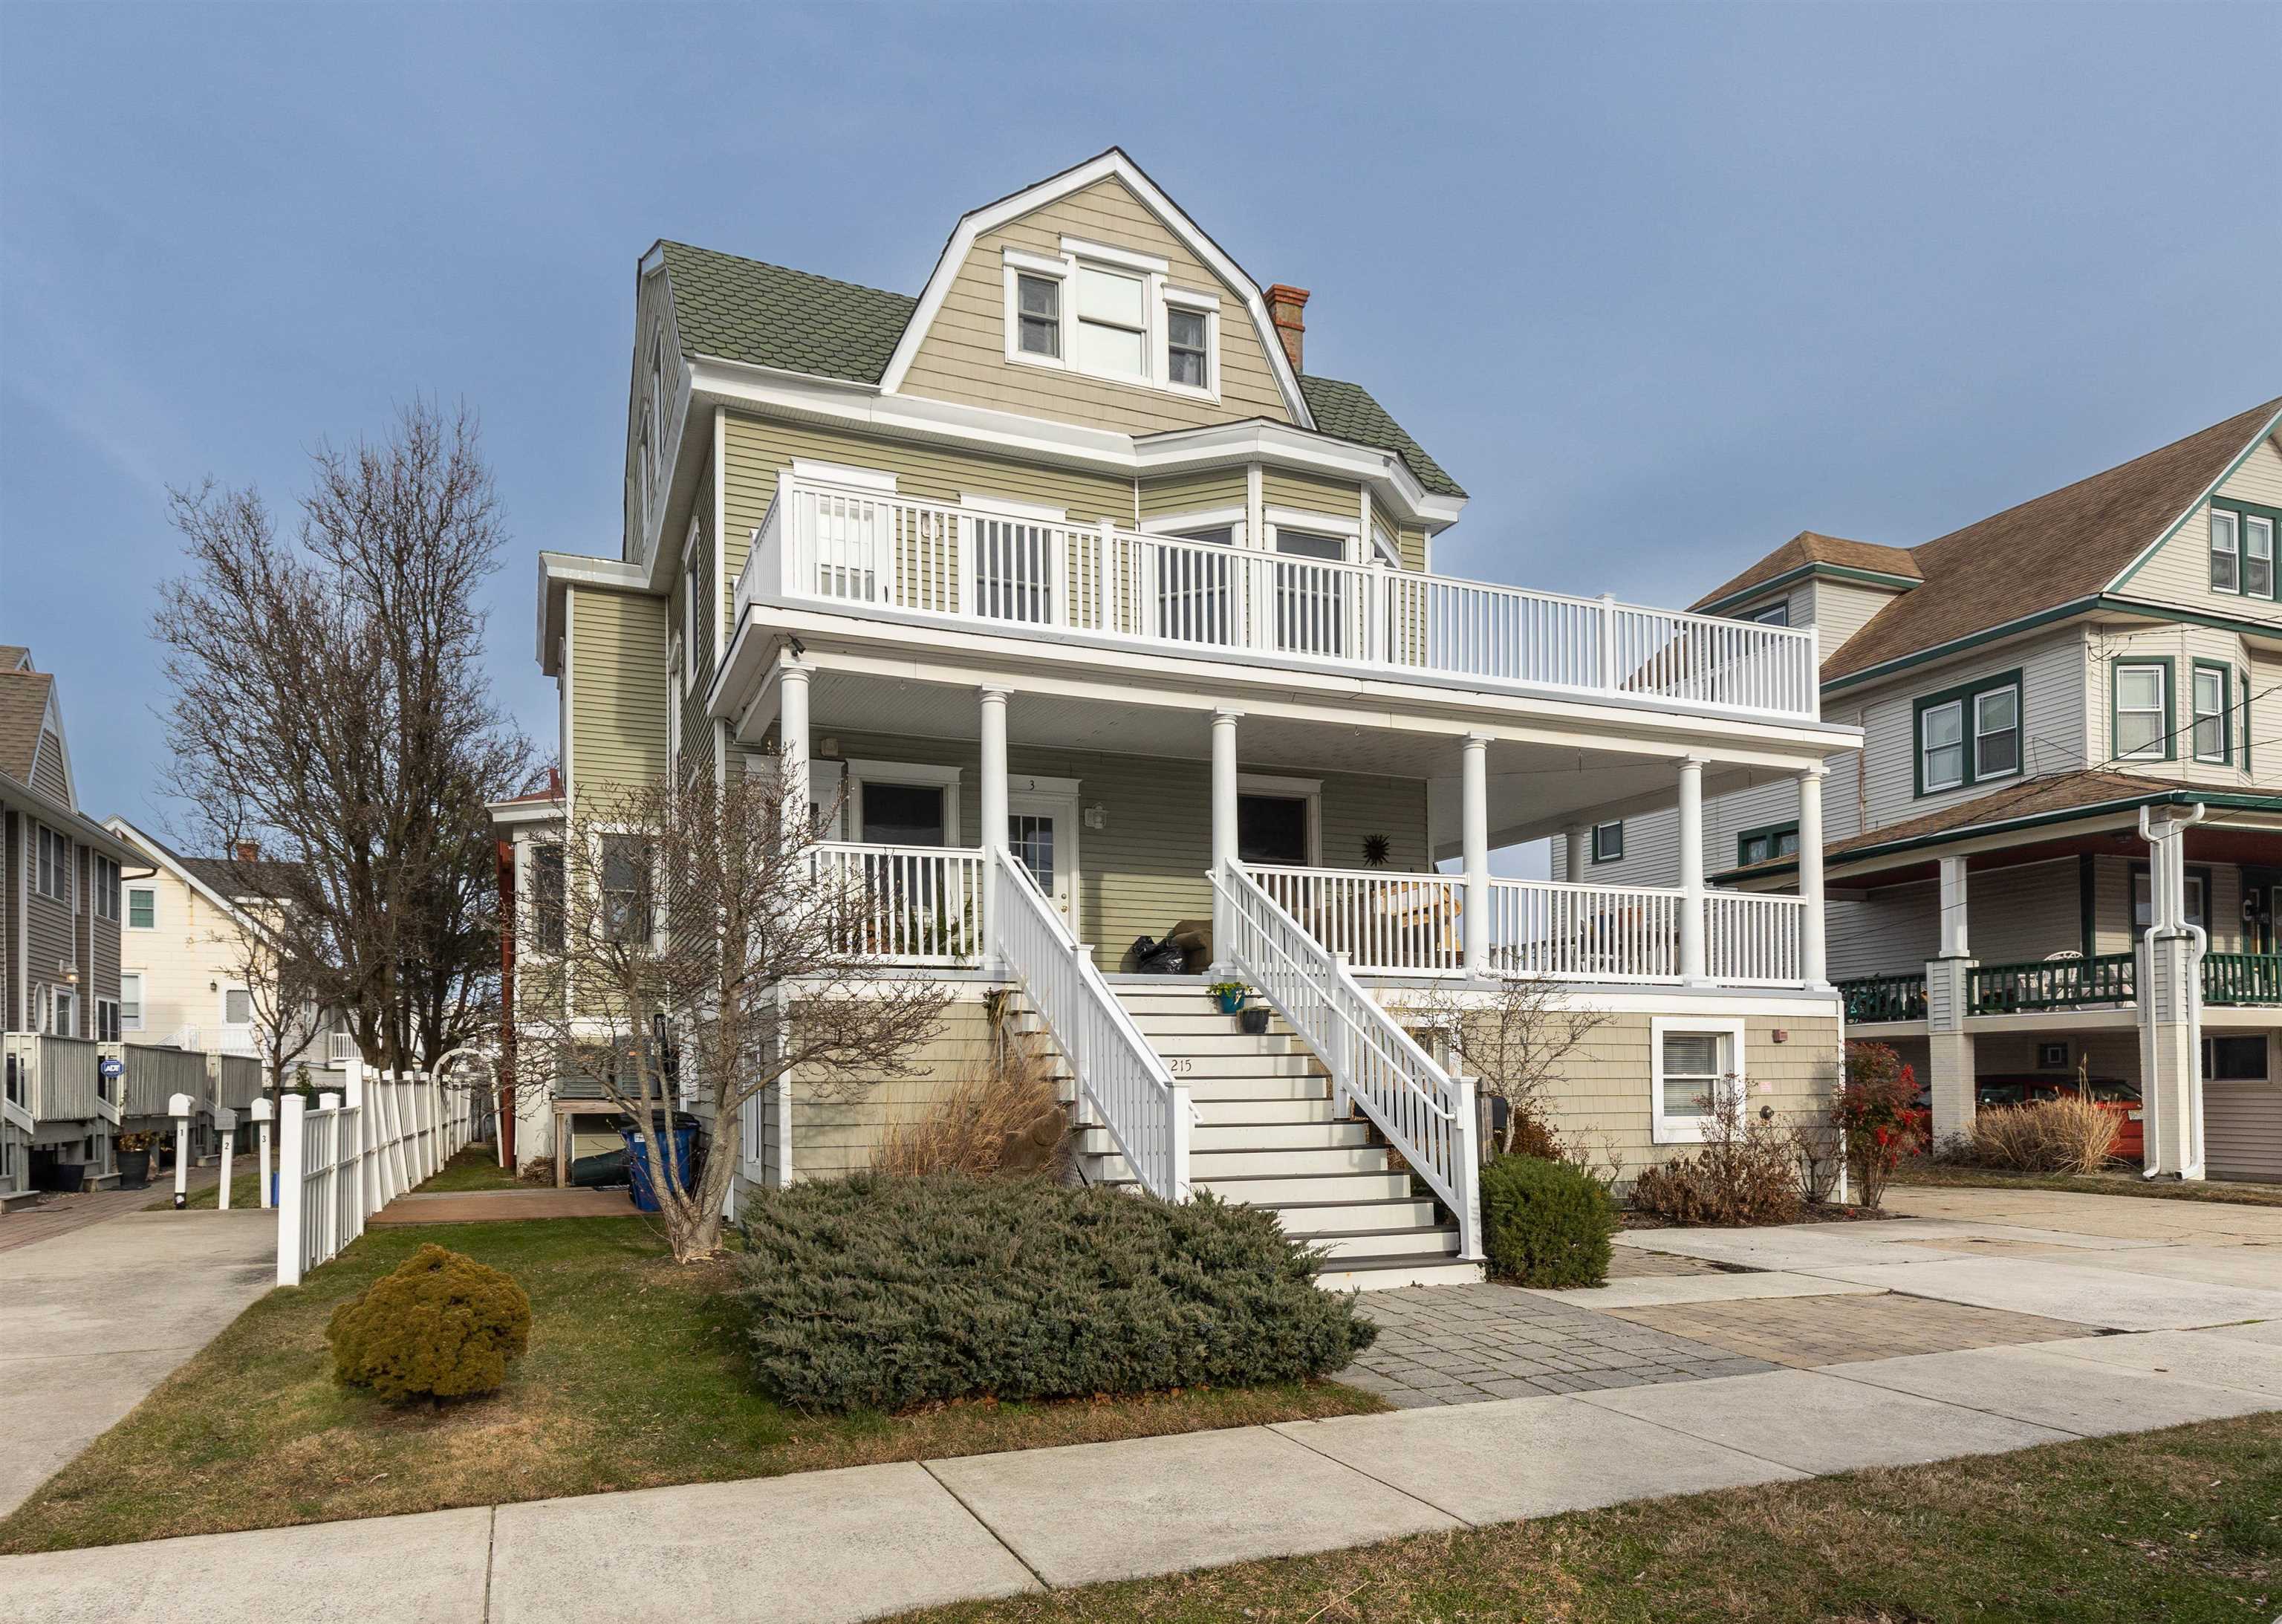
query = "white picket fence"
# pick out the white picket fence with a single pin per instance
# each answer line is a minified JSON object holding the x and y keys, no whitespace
{"x":342,"y":1162}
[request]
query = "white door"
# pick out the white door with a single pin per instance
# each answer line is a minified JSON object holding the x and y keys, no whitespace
{"x":1041,"y":831}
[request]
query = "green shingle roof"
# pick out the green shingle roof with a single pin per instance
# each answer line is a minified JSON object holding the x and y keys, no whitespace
{"x":770,"y":315}
{"x":1346,"y":411}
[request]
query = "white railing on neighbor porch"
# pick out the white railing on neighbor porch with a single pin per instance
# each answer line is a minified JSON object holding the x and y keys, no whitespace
{"x":1131,"y":1090}
{"x":344,"y":1160}
{"x":907,"y":904}
{"x":844,"y":545}
{"x":1427,"y":1116}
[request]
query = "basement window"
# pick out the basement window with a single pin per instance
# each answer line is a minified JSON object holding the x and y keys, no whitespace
{"x":1698,"y":1070}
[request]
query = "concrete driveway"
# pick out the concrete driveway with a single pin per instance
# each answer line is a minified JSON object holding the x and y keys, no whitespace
{"x":92,"y":1320}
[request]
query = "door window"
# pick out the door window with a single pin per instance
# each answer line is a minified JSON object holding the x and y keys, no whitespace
{"x":1031,"y":837}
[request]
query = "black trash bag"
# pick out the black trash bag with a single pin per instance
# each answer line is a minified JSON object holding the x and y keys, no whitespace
{"x":1152,"y":956}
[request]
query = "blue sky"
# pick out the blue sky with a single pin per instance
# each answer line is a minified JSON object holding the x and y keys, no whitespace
{"x":1660,"y":286}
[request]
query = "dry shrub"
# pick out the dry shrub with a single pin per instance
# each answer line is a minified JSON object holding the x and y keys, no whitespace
{"x":2066,"y":1135}
{"x":1003,"y":1115}
{"x":1746,"y":1173}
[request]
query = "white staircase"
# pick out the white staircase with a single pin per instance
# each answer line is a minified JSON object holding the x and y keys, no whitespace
{"x":1265,"y":1135}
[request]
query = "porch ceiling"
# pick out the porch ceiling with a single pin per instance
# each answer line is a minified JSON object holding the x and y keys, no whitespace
{"x":1532,"y":787}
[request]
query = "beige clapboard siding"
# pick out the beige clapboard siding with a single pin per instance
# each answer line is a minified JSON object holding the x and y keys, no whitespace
{"x":1414,"y":547}
{"x":963,"y":357}
{"x":1283,"y":487}
{"x":756,"y":450}
{"x":2179,"y":570}
{"x":2182,"y":645}
{"x":1603,"y":1095}
{"x":834,"y":1130}
{"x":1212,"y":489}
{"x":1145,"y":871}
{"x":2242,"y":1130}
{"x":617,"y":693}
{"x":1836,"y":609}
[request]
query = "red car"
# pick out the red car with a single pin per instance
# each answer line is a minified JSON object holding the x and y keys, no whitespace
{"x":2108,"y":1093}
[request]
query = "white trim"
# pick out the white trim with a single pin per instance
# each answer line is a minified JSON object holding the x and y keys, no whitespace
{"x":844,"y":473}
{"x":1124,"y":258}
{"x":863,"y":408}
{"x":1204,"y":519}
{"x":1112,"y":162}
{"x":1008,"y":506}
{"x":1191,"y":299}
{"x":1689,"y":1129}
{"x":1314,"y":523}
{"x":1058,"y":798}
{"x":945,"y":778}
{"x":1037,"y":264}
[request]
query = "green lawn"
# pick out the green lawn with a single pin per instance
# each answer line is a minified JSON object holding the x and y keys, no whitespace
{"x":473,"y":1167}
{"x":2100,"y":1183}
{"x":631,"y":1381}
{"x":2183,"y":1525}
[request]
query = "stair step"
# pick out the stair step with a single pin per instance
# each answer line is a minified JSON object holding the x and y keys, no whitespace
{"x":1231,"y":1112}
{"x":1313,"y":1218}
{"x":1411,"y":1243}
{"x":1214,"y":1044}
{"x":1388,"y":1273}
{"x":1200,"y":1022}
{"x":1265,"y":1138}
{"x":1275,"y":1190}
{"x":1286,"y":1163}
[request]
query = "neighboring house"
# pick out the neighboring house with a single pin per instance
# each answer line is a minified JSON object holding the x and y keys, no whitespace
{"x":2030,"y":688}
{"x":59,"y":942}
{"x":1069,"y":560}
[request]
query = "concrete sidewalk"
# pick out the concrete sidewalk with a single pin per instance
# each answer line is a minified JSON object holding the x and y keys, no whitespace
{"x":92,"y":1319}
{"x":871,"y":1541}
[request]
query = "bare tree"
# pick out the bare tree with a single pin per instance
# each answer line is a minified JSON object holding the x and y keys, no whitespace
{"x":330,"y":706}
{"x":708,"y":949}
{"x":285,"y":985}
{"x":1513,"y":1042}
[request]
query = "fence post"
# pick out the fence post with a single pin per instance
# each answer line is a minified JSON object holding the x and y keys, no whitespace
{"x":1468,"y":1170}
{"x":262,"y":1113}
{"x":291,"y":1150}
{"x":1177,"y":1177}
{"x":330,"y":1106}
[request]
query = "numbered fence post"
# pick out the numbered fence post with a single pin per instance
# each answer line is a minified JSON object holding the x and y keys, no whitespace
{"x":226,"y":1125}
{"x":263,"y":1111}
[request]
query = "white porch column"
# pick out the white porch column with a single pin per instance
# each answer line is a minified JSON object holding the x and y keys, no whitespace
{"x":994,"y":767}
{"x":792,"y":729}
{"x":1950,"y":1067}
{"x":1813,"y":953}
{"x":1691,"y":869}
{"x":2170,"y":993}
{"x":1224,"y":819}
{"x":993,"y":836}
{"x":1572,"y":851}
{"x":1474,"y":844}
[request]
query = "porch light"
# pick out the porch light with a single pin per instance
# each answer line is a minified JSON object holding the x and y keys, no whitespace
{"x":1097,"y":816}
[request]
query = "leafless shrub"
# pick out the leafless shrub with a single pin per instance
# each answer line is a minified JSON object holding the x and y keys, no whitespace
{"x":2065,"y":1135}
{"x":1746,"y":1173}
{"x":1002,"y":1115}
{"x":1513,"y":1043}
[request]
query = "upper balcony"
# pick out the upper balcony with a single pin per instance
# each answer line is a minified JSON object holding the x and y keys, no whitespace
{"x":883,"y":555}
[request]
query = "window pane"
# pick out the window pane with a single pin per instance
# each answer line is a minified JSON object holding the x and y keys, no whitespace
{"x":1773,"y":614}
{"x":2139,"y":687}
{"x":1108,"y":296}
{"x":1185,"y":367}
{"x":130,"y":999}
{"x":237,"y":1006}
{"x":1186,"y":329}
{"x":2222,"y":546}
{"x":1755,"y":849}
{"x":1608,"y":842}
{"x":1997,"y":732}
{"x":1944,"y":724}
{"x":143,"y":909}
{"x":2258,"y":556}
{"x":2210,"y":716}
{"x":546,"y":898}
{"x":1039,"y":296}
{"x":904,"y":814}
{"x":1301,"y":544}
{"x":1030,"y":838}
{"x":1692,"y":1054}
{"x":1271,"y":829}
{"x":1109,"y":349}
{"x":1787,"y":843}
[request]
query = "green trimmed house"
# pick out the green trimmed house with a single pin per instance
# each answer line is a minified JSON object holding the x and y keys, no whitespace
{"x":1092,"y":614}
{"x":2058,"y":854}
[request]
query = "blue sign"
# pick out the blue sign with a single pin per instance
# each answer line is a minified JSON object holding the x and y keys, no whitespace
{"x":112,"y":1069}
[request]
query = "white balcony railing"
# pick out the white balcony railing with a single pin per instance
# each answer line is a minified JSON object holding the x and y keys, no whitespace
{"x":845,"y":547}
{"x":903,"y":905}
{"x":1385,"y":923}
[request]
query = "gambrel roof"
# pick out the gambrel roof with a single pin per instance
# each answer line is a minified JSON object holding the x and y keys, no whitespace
{"x":730,"y":308}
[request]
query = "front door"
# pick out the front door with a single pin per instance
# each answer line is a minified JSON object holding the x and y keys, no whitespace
{"x":1041,"y":831}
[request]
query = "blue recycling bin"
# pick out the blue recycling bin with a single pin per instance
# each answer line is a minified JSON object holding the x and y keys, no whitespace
{"x":685,"y":1148}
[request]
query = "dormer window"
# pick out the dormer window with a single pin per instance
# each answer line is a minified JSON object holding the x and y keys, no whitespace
{"x":1111,"y":314}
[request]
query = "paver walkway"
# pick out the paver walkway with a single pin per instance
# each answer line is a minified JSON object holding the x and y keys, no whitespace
{"x":93,"y":1319}
{"x":65,"y":1213}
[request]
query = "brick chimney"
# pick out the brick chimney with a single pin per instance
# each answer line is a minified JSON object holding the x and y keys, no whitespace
{"x":247,"y":851}
{"x":1284,"y":305}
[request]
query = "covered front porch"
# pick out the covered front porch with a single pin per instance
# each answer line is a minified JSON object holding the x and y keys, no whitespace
{"x":1374,"y":832}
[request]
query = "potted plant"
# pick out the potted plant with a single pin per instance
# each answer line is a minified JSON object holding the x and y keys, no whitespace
{"x":135,"y":1160}
{"x":1229,"y":994}
{"x":1253,"y":1018}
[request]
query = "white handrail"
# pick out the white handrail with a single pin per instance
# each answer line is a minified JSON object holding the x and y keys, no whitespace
{"x":1147,"y":1113}
{"x":905,"y":905}
{"x":848,"y":545}
{"x":1427,"y":1116}
{"x":1385,"y":921}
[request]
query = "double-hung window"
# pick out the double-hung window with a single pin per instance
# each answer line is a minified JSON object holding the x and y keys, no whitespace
{"x":2257,"y":556}
{"x":1969,"y":734}
{"x":1699,"y":1073}
{"x":130,"y":1000}
{"x":2226,"y":550}
{"x":106,"y":890}
{"x":2142,"y":726}
{"x":51,"y":875}
{"x":2212,"y":705}
{"x":141,"y":908}
{"x":1111,"y":313}
{"x":627,"y":909}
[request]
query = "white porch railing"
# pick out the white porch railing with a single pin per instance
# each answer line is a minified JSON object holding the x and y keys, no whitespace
{"x":1385,"y":923}
{"x":1754,"y":941}
{"x":1147,"y":1113}
{"x":1547,"y":929}
{"x":907,"y":904}
{"x":340,"y":1164}
{"x":1427,"y":1116}
{"x":846,"y":546}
